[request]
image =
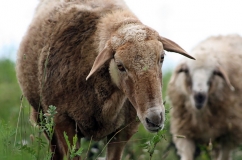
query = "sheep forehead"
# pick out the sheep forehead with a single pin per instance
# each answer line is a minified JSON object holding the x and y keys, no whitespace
{"x":201,"y":74}
{"x":201,"y":68}
{"x":208,"y":66}
{"x":206,"y":61}
{"x":129,"y":33}
{"x":141,"y":63}
{"x":200,"y":78}
{"x":133,"y":32}
{"x":141,"y":57}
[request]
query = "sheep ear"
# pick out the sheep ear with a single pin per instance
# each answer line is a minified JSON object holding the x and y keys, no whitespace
{"x":102,"y":57}
{"x":222,"y":73}
{"x":181,"y":68}
{"x":171,"y":46}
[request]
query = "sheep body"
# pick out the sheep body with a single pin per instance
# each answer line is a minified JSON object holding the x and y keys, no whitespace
{"x":60,"y":64}
{"x":91,"y":60}
{"x":215,"y":77}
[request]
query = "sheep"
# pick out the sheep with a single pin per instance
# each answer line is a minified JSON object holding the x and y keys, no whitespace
{"x":99,"y":65}
{"x":205,"y":98}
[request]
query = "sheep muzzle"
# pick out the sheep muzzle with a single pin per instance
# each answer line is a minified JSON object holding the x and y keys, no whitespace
{"x":154,"y":120}
{"x":200,"y":99}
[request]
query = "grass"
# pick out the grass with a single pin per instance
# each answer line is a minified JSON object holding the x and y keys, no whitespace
{"x":21,"y":139}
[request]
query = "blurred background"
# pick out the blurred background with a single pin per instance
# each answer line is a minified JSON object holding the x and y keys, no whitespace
{"x":187,"y":22}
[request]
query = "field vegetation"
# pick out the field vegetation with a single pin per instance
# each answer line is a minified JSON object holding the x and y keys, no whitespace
{"x":22,"y":139}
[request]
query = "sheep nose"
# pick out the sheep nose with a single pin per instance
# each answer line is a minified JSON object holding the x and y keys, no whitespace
{"x":199,"y":98}
{"x":155,"y":120}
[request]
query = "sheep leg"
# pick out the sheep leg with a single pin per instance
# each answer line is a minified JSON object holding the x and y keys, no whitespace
{"x":118,"y":141}
{"x":58,"y":142}
{"x":185,"y":148}
{"x":224,"y":154}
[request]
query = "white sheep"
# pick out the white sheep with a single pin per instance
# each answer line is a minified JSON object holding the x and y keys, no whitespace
{"x":99,"y":65}
{"x":206,"y":101}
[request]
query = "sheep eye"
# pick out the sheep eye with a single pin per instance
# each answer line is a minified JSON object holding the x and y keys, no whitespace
{"x":217,"y":73}
{"x":209,"y":82}
{"x":121,"y":67}
{"x":162,"y":59}
{"x":185,"y":70}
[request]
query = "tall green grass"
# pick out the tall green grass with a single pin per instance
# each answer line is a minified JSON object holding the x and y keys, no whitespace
{"x":17,"y":134}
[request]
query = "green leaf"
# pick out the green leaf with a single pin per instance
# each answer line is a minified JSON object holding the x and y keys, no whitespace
{"x":79,"y":151}
{"x":29,"y":150}
{"x":67,"y":141}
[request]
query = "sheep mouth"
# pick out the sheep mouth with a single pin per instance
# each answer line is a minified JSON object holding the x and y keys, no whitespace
{"x":199,"y":105}
{"x":154,"y":130}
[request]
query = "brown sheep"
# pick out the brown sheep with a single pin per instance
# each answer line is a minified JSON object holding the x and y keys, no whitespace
{"x":206,"y":98}
{"x":99,"y":65}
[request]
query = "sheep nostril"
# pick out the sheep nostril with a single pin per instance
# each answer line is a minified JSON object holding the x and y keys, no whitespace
{"x":149,"y":122}
{"x":200,"y":98}
{"x":156,"y":121}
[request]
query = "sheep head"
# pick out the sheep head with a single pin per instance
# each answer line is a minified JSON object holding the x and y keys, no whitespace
{"x":200,"y":80}
{"x":136,"y":54}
